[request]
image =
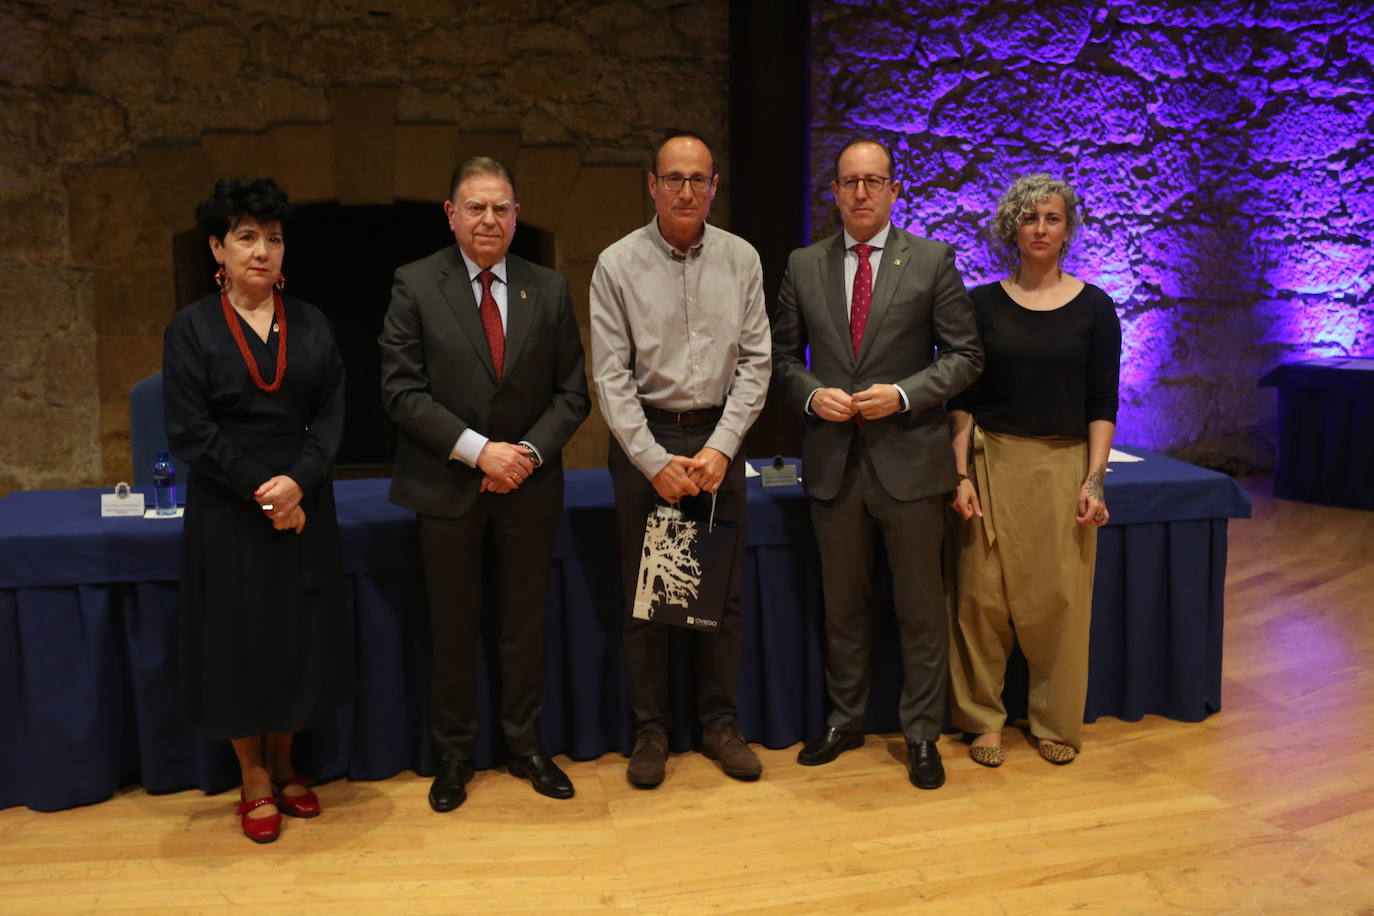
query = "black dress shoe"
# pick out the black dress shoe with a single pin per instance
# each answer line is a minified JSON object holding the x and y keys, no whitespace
{"x":543,"y":774}
{"x":828,"y":745}
{"x":448,"y":790}
{"x":927,"y":772}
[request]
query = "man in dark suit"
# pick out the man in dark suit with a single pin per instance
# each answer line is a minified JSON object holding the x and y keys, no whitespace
{"x":483,"y":372}
{"x":872,"y":302}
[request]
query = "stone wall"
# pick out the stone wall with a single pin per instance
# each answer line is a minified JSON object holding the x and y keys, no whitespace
{"x":115,"y":117}
{"x":1223,"y":151}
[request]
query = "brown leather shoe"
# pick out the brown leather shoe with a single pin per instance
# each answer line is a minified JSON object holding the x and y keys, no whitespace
{"x":646,"y":763}
{"x":725,"y":744}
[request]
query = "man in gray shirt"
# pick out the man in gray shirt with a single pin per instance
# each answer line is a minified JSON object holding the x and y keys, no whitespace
{"x":681,"y":358}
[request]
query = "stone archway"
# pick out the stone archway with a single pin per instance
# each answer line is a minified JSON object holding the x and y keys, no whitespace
{"x":122,"y":220}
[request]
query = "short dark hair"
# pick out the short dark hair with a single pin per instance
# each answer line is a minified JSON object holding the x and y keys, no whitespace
{"x":855,"y":141}
{"x":675,"y":134}
{"x":478,"y":165}
{"x":234,"y":199}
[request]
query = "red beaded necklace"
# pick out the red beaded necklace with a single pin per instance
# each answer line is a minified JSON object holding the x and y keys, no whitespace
{"x":236,"y":328}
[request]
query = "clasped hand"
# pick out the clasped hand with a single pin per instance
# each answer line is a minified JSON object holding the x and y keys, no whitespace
{"x":683,"y":476}
{"x":280,"y":498}
{"x":506,"y":467}
{"x":873,"y":403}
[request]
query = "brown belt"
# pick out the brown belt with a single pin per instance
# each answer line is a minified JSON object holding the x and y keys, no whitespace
{"x":689,"y":418}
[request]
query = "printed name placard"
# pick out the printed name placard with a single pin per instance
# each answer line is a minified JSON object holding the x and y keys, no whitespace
{"x":122,"y":503}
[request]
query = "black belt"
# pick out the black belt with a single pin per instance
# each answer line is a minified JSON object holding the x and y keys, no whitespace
{"x":687,"y":418}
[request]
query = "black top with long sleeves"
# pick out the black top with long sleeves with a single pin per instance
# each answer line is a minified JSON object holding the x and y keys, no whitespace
{"x":1046,"y":373}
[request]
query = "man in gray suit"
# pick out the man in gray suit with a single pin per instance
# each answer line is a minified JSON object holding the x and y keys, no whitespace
{"x":872,"y":303}
{"x":483,"y":372}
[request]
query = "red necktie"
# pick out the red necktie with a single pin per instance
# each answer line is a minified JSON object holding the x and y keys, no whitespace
{"x":491,"y":323}
{"x":863,"y":295}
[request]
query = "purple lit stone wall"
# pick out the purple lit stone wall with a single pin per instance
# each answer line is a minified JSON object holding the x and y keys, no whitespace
{"x":1222,"y":151}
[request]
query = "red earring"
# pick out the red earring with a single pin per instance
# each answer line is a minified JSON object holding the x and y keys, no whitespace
{"x":281,"y":283}
{"x":221,"y":279}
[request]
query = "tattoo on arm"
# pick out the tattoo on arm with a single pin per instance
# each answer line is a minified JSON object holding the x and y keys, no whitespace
{"x":1094,"y":484}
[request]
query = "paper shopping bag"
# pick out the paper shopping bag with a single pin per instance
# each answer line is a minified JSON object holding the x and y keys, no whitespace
{"x":684,"y":567}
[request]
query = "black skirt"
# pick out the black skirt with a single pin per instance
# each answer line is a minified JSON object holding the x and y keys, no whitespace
{"x":265,"y":642}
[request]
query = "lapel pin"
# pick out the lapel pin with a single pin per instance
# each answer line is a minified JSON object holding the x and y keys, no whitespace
{"x":522,"y":294}
{"x":898,"y":262}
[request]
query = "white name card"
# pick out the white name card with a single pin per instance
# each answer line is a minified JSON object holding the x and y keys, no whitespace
{"x":121,"y":504}
{"x":778,"y":474}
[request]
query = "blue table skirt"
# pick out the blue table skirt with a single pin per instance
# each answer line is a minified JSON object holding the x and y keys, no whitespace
{"x":88,"y":635}
{"x":1326,"y":431}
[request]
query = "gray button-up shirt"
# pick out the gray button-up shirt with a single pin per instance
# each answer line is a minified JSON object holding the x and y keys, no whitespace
{"x":679,"y":333}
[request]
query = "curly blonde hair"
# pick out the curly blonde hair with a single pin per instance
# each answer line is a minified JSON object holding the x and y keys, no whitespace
{"x":1022,"y":197}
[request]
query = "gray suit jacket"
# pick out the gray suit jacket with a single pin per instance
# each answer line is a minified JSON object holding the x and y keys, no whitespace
{"x":438,"y":379}
{"x":919,"y":303}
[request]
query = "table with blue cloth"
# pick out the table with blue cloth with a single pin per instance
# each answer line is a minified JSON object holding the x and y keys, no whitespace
{"x":88,"y":611}
{"x":1326,"y":431}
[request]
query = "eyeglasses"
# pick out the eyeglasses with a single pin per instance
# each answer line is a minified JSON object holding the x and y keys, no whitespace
{"x":673,"y":183}
{"x":873,"y":183}
{"x":475,"y":209}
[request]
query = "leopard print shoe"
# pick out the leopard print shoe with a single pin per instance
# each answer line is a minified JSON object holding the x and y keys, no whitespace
{"x":1056,"y":753}
{"x":988,"y":755}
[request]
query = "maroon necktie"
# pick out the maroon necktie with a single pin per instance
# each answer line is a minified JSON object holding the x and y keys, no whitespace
{"x":491,"y":323}
{"x":863,"y":295}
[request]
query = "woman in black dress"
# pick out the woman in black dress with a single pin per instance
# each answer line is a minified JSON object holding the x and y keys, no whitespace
{"x":253,"y":393}
{"x":1031,"y":439}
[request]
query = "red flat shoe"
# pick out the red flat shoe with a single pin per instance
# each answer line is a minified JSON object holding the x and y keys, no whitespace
{"x":307,"y":805}
{"x":259,"y":829}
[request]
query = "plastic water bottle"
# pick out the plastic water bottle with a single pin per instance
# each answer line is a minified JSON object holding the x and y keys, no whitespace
{"x":164,"y":485}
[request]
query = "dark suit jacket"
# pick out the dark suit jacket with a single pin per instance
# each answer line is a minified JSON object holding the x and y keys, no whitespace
{"x":918,"y":303}
{"x":438,"y":379}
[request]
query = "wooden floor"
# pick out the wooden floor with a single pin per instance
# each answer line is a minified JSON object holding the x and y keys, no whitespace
{"x":1267,"y":807}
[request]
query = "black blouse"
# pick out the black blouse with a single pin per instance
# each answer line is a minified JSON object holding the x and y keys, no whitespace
{"x":1045,"y":373}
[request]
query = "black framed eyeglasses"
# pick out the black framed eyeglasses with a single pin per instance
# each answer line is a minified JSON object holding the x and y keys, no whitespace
{"x":673,"y":183}
{"x":872,"y":183}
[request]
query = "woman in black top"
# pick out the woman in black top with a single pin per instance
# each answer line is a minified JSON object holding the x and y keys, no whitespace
{"x":1031,"y":439}
{"x":253,"y":393}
